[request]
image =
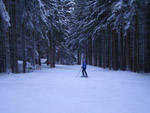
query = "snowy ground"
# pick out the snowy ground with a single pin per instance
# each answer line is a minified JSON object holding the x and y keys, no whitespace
{"x":59,"y":91}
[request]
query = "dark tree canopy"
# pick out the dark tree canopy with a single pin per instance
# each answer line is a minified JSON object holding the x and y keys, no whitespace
{"x":112,"y":34}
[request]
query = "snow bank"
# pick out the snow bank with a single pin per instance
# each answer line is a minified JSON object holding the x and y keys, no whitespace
{"x":29,"y":67}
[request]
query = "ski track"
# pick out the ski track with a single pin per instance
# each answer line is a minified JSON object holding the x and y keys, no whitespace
{"x":59,"y":91}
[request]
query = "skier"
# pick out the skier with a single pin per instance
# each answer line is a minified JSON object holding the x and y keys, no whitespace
{"x":84,"y":69}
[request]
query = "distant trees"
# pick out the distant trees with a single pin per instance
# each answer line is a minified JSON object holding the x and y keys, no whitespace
{"x":112,"y":34}
{"x":115,"y":33}
{"x":31,"y":30}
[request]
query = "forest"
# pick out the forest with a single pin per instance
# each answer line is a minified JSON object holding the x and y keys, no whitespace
{"x":112,"y":34}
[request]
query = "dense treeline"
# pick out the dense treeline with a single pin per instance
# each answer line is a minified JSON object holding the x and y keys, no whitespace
{"x":113,"y":34}
{"x":31,"y":30}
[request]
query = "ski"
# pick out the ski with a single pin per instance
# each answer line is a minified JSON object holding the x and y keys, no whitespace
{"x":84,"y":76}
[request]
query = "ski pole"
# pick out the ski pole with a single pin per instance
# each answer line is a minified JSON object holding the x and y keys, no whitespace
{"x":78,"y":73}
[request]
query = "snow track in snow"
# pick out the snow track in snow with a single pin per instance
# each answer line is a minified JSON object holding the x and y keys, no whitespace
{"x":59,"y":91}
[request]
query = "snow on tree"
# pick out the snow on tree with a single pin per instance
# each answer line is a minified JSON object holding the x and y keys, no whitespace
{"x":4,"y":14}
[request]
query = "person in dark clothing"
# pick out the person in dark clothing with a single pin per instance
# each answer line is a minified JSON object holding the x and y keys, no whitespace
{"x":84,"y":68}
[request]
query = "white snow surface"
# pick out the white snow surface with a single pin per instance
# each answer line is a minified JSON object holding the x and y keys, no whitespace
{"x":59,"y":91}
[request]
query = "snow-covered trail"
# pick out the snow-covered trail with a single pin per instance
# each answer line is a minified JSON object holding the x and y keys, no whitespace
{"x":59,"y":91}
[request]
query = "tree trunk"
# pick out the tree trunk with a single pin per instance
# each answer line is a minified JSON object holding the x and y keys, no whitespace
{"x":104,"y":51}
{"x":79,"y":57}
{"x":39,"y":57}
{"x":24,"y":48}
{"x":15,"y":54}
{"x":100,"y":52}
{"x":48,"y":56}
{"x":109,"y":49}
{"x":90,"y":51}
{"x":86,"y":53}
{"x":136,"y":45}
{"x":124,"y":53}
{"x":54,"y":52}
{"x":121,"y":48}
{"x":128,"y":51}
{"x":51,"y":50}
{"x":147,"y":60}
{"x":115,"y":50}
{"x":96,"y":52}
{"x":7,"y":49}
{"x":39,"y":52}
{"x":33,"y":47}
